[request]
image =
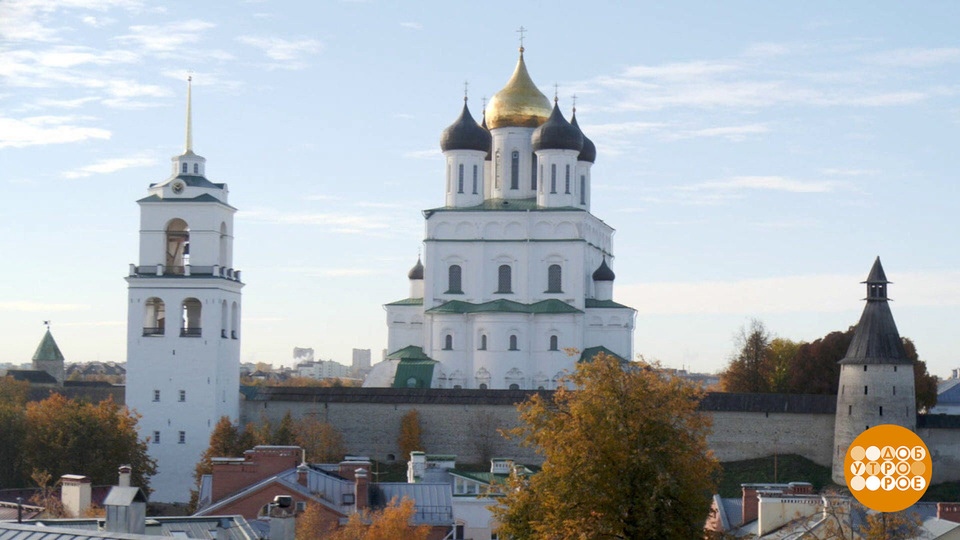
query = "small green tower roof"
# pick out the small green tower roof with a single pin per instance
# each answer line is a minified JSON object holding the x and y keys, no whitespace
{"x":48,"y":351}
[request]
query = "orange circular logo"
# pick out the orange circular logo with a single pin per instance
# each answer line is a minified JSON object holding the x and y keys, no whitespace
{"x":887,"y":468}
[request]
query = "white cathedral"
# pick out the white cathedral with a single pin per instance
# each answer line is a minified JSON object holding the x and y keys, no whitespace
{"x":517,"y":285}
{"x":183,"y":320}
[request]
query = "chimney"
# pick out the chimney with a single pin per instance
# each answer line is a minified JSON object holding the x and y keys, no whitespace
{"x":302,"y":472}
{"x":351,"y":464}
{"x":749,"y":503}
{"x":75,"y":494}
{"x":126,"y":510}
{"x":948,"y":511}
{"x":361,"y":489}
{"x":283,"y":524}
{"x":125,"y":471}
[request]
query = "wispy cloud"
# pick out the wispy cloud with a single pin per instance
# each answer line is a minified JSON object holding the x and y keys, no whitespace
{"x":849,"y":172}
{"x":361,"y":223}
{"x":166,"y":37}
{"x":40,"y":307}
{"x":680,"y":70}
{"x":284,"y":53}
{"x":424,"y":154}
{"x":338,"y":272}
{"x":107,"y":166}
{"x":42,"y":130}
{"x":412,"y":25}
{"x":769,"y":183}
{"x":732,"y":133}
{"x":916,"y":57}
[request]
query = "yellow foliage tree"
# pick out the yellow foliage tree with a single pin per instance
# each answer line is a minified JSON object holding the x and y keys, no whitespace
{"x":322,"y":442}
{"x":410,"y":432}
{"x":393,"y":522}
{"x":311,"y":524}
{"x":625,"y":456}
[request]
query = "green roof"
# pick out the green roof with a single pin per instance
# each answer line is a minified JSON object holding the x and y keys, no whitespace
{"x":48,"y":351}
{"x":590,"y":353}
{"x":505,"y":306}
{"x":594,"y":303}
{"x":407,"y":302}
{"x":420,"y":371}
{"x":410,"y":352}
{"x":508,"y":205}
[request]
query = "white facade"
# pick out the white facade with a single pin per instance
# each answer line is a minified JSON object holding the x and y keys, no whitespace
{"x":507,"y":298}
{"x":322,"y":369}
{"x":183,"y":322}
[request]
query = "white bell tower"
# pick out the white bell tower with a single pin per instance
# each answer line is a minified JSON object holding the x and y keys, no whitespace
{"x":183,"y":320}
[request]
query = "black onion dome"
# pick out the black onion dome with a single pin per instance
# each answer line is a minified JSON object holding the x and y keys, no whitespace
{"x":417,"y":271}
{"x":557,"y":134}
{"x":603,"y":272}
{"x":484,"y":126}
{"x":589,"y":151}
{"x":465,"y":134}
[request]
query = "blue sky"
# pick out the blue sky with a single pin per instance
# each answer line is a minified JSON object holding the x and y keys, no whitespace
{"x":754,"y":157}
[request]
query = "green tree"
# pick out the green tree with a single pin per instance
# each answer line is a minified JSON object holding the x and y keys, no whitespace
{"x":224,"y":442}
{"x":750,"y":368}
{"x":780,"y":354}
{"x":69,"y":436}
{"x":625,"y":456}
{"x":286,"y":432}
{"x":410,"y":434}
{"x":13,"y":429}
{"x":925,"y":383}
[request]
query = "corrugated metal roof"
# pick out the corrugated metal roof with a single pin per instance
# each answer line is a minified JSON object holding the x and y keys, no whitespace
{"x":433,"y":502}
{"x":8,"y":511}
{"x":201,"y":528}
{"x":420,"y":372}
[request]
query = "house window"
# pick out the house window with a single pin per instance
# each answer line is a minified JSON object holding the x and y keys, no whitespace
{"x":460,"y":179}
{"x":864,"y":369}
{"x":553,"y":278}
{"x":156,"y":395}
{"x":348,"y":499}
{"x":448,"y":342}
{"x":553,"y":178}
{"x":514,"y":386}
{"x":583,"y":189}
{"x":183,"y":437}
{"x":183,"y":396}
{"x":881,"y":410}
{"x":458,"y":532}
{"x":196,"y":168}
{"x":515,"y":170}
{"x":866,"y":390}
{"x":554,"y":343}
{"x":567,"y":182}
{"x":483,"y":342}
{"x":301,"y":506}
{"x":184,"y":168}
{"x":474,"y":179}
{"x":513,"y":343}
{"x":504,"y":279}
{"x":454,"y":284}
{"x":533,"y":172}
{"x":894,"y":390}
{"x":849,"y":410}
{"x":156,"y":437}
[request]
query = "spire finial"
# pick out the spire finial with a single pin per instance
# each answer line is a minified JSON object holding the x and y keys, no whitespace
{"x":188,"y":147}
{"x":484,"y":101}
{"x":466,"y":87}
{"x":47,"y":324}
{"x":556,"y":92}
{"x":574,"y":103}
{"x":521,"y":31}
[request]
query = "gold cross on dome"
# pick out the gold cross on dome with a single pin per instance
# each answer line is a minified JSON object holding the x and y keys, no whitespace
{"x":521,"y":31}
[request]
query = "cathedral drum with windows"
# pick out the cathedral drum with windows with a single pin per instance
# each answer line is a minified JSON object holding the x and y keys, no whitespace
{"x":516,"y":285}
{"x":183,"y":321}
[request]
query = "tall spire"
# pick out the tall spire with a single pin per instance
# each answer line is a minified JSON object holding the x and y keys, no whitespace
{"x":876,"y":340}
{"x":188,"y":147}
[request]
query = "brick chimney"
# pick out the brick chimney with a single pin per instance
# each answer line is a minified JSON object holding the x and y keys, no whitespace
{"x":124,"y":480}
{"x":361,"y":489}
{"x":949,"y":511}
{"x":75,"y":494}
{"x":303,"y":471}
{"x":233,"y":474}
{"x":750,"y":503}
{"x":349,"y":466}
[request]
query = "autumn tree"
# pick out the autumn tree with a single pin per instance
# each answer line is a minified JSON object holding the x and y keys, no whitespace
{"x":312,"y":524}
{"x":780,"y":353}
{"x":815,"y":368}
{"x":13,"y":429}
{"x":891,"y":526}
{"x":925,"y":383}
{"x":285,"y":434}
{"x":321,"y":441}
{"x":69,"y":436}
{"x":410,"y":434}
{"x":225,"y":441}
{"x":392,"y":522}
{"x":625,"y":456}
{"x":750,"y":368}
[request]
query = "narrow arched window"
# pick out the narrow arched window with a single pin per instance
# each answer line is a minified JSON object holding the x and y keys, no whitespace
{"x":541,"y":178}
{"x":460,"y":179}
{"x":583,"y":189}
{"x":533,"y":172}
{"x":483,"y":386}
{"x":567,"y":182}
{"x":553,"y":178}
{"x":504,"y":279}
{"x":514,"y":386}
{"x":178,"y":246}
{"x":448,"y":342}
{"x":474,"y":179}
{"x":483,"y":342}
{"x":184,"y":168}
{"x":412,"y":382}
{"x":454,"y":283}
{"x":234,"y":321}
{"x":196,"y":168}
{"x":554,"y":279}
{"x":515,"y":170}
{"x":190,"y":311}
{"x":496,"y":170}
{"x":513,"y":343}
{"x":554,"y":343}
{"x":154,"y":319}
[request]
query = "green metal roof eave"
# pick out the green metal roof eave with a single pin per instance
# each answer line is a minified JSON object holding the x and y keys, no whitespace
{"x":203,"y":198}
{"x":410,"y":352}
{"x":407,"y":302}
{"x":504,"y":205}
{"x":420,"y":370}
{"x":604,"y":304}
{"x":543,"y":307}
{"x":48,"y":350}
{"x":590,"y":353}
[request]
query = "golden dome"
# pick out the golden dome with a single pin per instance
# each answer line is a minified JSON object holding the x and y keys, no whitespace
{"x":520,"y":103}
